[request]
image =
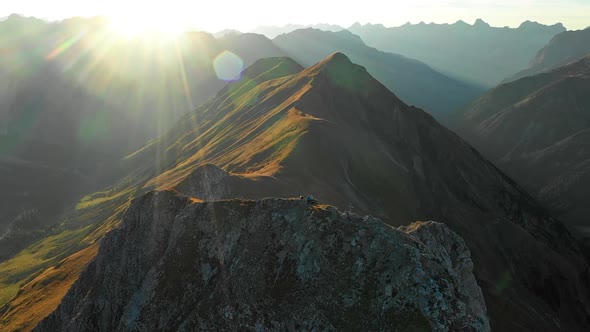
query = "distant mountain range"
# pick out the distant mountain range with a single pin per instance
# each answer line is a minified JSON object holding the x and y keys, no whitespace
{"x":273,"y":31}
{"x":566,"y":47}
{"x":478,"y":53}
{"x":536,"y":129}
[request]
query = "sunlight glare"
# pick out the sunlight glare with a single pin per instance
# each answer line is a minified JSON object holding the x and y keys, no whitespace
{"x":129,"y":24}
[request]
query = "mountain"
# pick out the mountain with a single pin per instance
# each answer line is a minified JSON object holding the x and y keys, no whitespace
{"x":536,"y":129}
{"x":272,"y":31}
{"x":75,"y":99}
{"x":477,"y":53}
{"x":411,"y":80}
{"x":274,"y":265}
{"x":334,"y":131}
{"x":564,"y":48}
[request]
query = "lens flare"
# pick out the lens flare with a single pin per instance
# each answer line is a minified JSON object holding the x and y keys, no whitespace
{"x":228,"y":66}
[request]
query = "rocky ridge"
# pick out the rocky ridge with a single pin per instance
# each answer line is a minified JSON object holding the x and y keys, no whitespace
{"x":272,"y":264}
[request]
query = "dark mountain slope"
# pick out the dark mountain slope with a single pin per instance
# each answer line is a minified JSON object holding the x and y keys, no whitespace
{"x":478,"y":53}
{"x":564,"y":48}
{"x":411,"y":80}
{"x":334,"y":131}
{"x":534,"y":129}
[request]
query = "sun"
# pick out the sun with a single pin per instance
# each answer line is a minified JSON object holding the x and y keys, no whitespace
{"x":145,"y":24}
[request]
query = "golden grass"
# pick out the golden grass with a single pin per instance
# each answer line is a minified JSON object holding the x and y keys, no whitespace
{"x":43,"y":294}
{"x":102,"y":197}
{"x":33,"y":282}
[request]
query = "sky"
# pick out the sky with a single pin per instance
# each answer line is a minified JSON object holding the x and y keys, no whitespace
{"x":246,"y":15}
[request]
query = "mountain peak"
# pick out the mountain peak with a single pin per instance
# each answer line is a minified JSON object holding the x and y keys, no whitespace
{"x":481,"y":23}
{"x":338,"y":58}
{"x":338,"y":68}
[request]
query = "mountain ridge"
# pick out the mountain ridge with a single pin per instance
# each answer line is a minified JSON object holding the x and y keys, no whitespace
{"x":224,"y":242}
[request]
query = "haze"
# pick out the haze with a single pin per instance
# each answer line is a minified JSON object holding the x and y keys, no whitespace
{"x":246,"y":15}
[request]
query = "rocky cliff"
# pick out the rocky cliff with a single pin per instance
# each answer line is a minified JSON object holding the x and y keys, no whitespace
{"x":272,"y":264}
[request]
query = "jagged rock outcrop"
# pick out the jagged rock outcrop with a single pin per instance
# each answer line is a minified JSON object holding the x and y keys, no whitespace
{"x":273,"y":264}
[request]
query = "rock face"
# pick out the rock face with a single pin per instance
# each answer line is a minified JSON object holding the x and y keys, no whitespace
{"x":273,"y":264}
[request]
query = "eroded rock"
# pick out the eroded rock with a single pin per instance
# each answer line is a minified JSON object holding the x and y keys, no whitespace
{"x":273,"y":264}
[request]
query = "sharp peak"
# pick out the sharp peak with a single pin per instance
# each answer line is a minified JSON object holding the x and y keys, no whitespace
{"x":481,"y":22}
{"x":337,"y":57}
{"x":338,"y":68}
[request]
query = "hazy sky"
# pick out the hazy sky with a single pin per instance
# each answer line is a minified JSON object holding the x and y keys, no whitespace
{"x":246,"y":14}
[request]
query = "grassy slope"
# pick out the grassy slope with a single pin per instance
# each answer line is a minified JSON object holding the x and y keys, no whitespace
{"x":33,"y":282}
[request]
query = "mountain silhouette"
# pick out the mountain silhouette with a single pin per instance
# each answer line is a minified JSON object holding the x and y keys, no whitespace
{"x":564,"y":48}
{"x":272,"y":31}
{"x":413,"y":81}
{"x":477,"y":53}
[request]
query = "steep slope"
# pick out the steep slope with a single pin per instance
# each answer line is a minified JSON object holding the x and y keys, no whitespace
{"x":274,"y":265}
{"x":535,"y":129}
{"x":334,"y":131}
{"x":564,"y":48}
{"x":477,"y":53}
{"x":413,"y":81}
{"x":75,"y":98}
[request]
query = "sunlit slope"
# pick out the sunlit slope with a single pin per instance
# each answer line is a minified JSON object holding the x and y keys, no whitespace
{"x":33,"y":282}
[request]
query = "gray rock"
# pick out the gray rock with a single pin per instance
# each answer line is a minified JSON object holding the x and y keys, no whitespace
{"x":273,"y":264}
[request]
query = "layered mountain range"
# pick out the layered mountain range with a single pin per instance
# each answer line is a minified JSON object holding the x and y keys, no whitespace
{"x":413,"y":81}
{"x":478,"y":53}
{"x":564,"y":48}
